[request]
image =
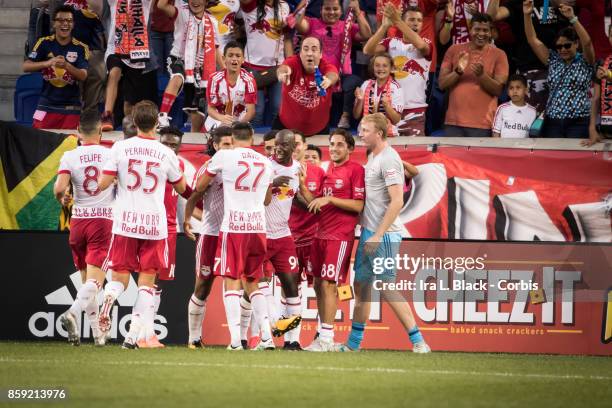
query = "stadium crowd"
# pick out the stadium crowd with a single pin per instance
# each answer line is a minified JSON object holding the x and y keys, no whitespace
{"x":500,"y":68}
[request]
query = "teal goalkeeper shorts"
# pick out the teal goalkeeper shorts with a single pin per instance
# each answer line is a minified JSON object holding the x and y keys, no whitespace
{"x":373,"y":267}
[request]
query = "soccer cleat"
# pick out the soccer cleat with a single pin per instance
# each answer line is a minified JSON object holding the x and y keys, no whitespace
{"x":253,"y":341}
{"x":196,"y":344}
{"x":129,"y":345}
{"x":232,"y":348}
{"x":152,"y":342}
{"x":321,"y":345}
{"x":285,"y":324}
{"x":421,"y":348}
{"x":292,"y":346}
{"x":69,"y":324}
{"x":107,"y":122}
{"x":245,"y":344}
{"x":104,"y":320}
{"x":343,"y":348}
{"x":163,"y":120}
{"x":100,"y":340}
{"x":265,"y":345}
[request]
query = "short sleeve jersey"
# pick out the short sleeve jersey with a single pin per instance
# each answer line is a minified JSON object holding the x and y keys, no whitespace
{"x":60,"y":92}
{"x":84,"y":164}
{"x":279,"y":209}
{"x":246,"y":177}
{"x":183,"y":15}
{"x":264,"y":46}
{"x":230,"y":100}
{"x":512,"y":121}
{"x":383,"y":170}
{"x":142,"y":167}
{"x":344,"y":181}
{"x":303,"y":223}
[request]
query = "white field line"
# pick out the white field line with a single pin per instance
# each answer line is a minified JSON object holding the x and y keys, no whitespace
{"x":384,"y":370}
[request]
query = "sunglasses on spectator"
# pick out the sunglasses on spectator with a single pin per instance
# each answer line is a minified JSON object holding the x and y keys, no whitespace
{"x":566,"y":46}
{"x":64,"y":20}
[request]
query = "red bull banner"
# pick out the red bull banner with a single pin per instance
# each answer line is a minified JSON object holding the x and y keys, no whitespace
{"x":478,"y":297}
{"x":499,"y":194}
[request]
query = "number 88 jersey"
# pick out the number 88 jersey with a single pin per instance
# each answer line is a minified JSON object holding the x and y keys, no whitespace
{"x":142,"y":167}
{"x":84,"y":165}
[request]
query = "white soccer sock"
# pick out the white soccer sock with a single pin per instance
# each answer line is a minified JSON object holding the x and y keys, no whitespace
{"x":266,"y":290}
{"x":245,"y":318}
{"x":327,"y":332}
{"x":84,"y":296}
{"x":91,"y":308}
{"x":260,"y":314}
{"x":294,"y":307}
{"x":142,"y":313}
{"x":195,"y":317}
{"x":283,"y":310}
{"x":231,"y":300}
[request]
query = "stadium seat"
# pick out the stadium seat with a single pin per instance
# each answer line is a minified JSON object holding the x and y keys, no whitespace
{"x":27,"y":93}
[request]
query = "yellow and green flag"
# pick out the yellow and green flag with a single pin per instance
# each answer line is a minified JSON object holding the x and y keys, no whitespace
{"x":29,"y":161}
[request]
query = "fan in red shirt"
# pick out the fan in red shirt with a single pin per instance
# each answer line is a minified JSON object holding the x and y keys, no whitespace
{"x":306,"y":100}
{"x":338,"y":212}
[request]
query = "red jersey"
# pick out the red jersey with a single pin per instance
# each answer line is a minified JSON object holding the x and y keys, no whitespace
{"x":344,"y":181}
{"x":301,"y":106}
{"x":302,"y":223}
{"x":171,"y":202}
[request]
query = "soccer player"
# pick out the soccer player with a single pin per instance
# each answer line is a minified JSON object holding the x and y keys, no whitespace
{"x":380,"y":233}
{"x":91,"y":221}
{"x":232,"y":93}
{"x":281,"y":247}
{"x":247,"y":179}
{"x":193,"y":58}
{"x":141,"y":166}
{"x":269,"y":142}
{"x":206,"y":248}
{"x":172,"y":138}
{"x":330,"y":253}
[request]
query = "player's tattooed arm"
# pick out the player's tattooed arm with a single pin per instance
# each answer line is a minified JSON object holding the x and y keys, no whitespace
{"x":105,"y":181}
{"x":61,"y":189}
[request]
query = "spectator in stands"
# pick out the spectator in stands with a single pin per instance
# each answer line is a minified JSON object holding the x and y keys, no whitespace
{"x":313,"y":155}
{"x":381,"y":94}
{"x":474,"y":74}
{"x":162,"y":35}
{"x":547,"y":23}
{"x":592,"y":14}
{"x":514,"y":119}
{"x":89,"y":30}
{"x":411,"y":58}
{"x":269,"y":142}
{"x":192,"y":61}
{"x":39,"y":24}
{"x":129,"y":57}
{"x":306,"y":100}
{"x":62,"y":60}
{"x":332,"y":31}
{"x":459,"y":15}
{"x":600,"y":123}
{"x":569,"y":75}
{"x":267,"y":46}
{"x":224,"y":12}
{"x":231,"y":94}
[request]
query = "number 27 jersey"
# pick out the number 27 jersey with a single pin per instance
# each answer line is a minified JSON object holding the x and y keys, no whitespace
{"x":84,"y":165}
{"x":142,"y":167}
{"x":246,"y":177}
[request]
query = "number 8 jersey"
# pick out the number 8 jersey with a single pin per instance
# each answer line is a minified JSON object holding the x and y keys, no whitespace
{"x":84,"y":165}
{"x":246,"y":177}
{"x":142,"y":167}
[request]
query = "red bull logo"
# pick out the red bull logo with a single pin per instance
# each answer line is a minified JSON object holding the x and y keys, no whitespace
{"x":283,"y":193}
{"x":405,"y":67}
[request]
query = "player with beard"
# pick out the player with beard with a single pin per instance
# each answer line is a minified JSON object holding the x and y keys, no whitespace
{"x":338,"y":208}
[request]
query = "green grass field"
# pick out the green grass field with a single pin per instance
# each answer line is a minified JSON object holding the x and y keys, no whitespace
{"x":178,"y":377}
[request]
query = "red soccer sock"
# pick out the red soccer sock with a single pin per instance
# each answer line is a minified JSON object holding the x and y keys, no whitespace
{"x":167,"y":102}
